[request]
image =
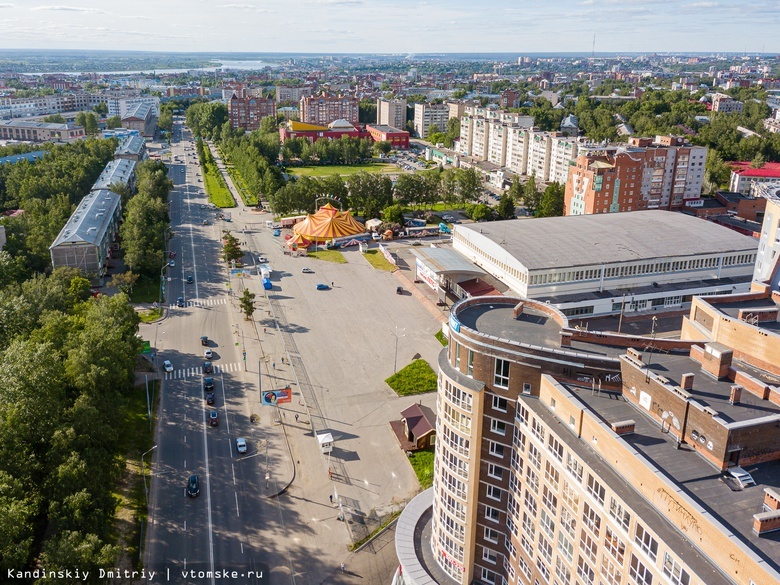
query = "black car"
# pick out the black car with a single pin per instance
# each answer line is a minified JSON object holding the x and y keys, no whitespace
{"x":208,"y":384}
{"x":180,"y":302}
{"x":207,"y":368}
{"x":204,"y":340}
{"x":209,"y":398}
{"x":193,"y":486}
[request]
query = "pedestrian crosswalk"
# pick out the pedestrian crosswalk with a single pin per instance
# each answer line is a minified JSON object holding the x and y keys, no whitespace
{"x":198,"y":371}
{"x":205,"y":302}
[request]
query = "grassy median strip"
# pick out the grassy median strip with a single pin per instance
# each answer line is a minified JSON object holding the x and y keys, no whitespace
{"x":326,"y":170}
{"x":378,"y":260}
{"x":216,"y":188}
{"x":416,"y":378}
{"x":150,"y":315}
{"x":441,"y":337}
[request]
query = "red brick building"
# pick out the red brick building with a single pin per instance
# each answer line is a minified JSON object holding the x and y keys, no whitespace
{"x":315,"y":132}
{"x":399,"y":139}
{"x":246,"y":112}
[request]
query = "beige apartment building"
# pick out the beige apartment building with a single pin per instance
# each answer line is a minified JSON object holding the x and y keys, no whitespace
{"x":427,"y":115}
{"x":391,"y":113}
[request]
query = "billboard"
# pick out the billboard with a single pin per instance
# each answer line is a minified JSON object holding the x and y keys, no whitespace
{"x":274,"y":397}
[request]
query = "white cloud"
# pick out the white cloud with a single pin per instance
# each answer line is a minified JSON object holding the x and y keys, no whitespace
{"x":6,"y":5}
{"x":66,"y":8}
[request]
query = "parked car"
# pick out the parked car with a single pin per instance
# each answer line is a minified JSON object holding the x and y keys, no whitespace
{"x":262,"y":259}
{"x":172,"y":255}
{"x":277,"y":232}
{"x":213,"y":418}
{"x":742,"y":477}
{"x":399,"y":290}
{"x":171,"y":263}
{"x":193,"y":486}
{"x":207,"y":368}
{"x":241,"y":445}
{"x":323,"y":287}
{"x":307,"y":271}
{"x":204,"y":340}
{"x":209,"y":398}
{"x":189,"y":279}
{"x":180,"y":302}
{"x":208,"y":354}
{"x":168,"y":366}
{"x":208,"y":384}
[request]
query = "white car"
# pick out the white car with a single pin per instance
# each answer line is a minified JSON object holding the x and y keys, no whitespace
{"x":168,"y":366}
{"x":262,"y":259}
{"x":209,"y":354}
{"x":307,"y":271}
{"x":241,"y":445}
{"x":742,"y":477}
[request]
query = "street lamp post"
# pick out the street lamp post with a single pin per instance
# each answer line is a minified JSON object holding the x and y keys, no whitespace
{"x":395,"y":358}
{"x":146,"y":489}
{"x":162,"y":285}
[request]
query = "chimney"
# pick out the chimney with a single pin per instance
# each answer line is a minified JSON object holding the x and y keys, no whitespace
{"x":687,"y":381}
{"x":717,"y":359}
{"x":624,"y":427}
{"x":736,"y":394}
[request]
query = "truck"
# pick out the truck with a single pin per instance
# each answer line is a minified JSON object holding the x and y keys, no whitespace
{"x":422,"y":232}
{"x":444,"y":228}
{"x":267,"y":284}
{"x":291,"y":221}
{"x":337,"y":243}
{"x":414,"y":222}
{"x":265,"y":271}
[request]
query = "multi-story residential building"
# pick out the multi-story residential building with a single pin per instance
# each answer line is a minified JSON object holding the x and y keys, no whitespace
{"x":59,"y":103}
{"x":769,"y":241}
{"x":561,"y":458}
{"x":291,"y":94}
{"x":247,"y":112}
{"x":131,"y":148}
{"x":427,"y":115}
{"x":40,"y":131}
{"x":485,"y":133}
{"x":140,"y":117}
{"x":391,"y":112}
{"x":647,"y":174}
{"x":323,"y":109}
{"x":457,"y":109}
{"x":118,"y":171}
{"x":86,"y":240}
{"x":726,"y":104}
{"x":744,"y":176}
{"x":122,"y":105}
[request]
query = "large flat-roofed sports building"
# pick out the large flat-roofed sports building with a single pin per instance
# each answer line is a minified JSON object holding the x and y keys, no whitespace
{"x":608,"y":263}
{"x":85,"y":241}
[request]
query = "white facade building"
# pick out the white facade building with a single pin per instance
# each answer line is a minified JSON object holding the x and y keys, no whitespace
{"x":392,"y":113}
{"x":427,"y":115}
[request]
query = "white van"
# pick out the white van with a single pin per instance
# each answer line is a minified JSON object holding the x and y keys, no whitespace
{"x":269,"y":223}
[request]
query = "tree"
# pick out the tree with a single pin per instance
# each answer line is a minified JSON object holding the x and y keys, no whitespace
{"x":551,"y":201}
{"x":247,"y":303}
{"x":125,"y":281}
{"x":506,"y":206}
{"x":479,"y":212}
{"x":367,"y":112}
{"x":54,"y":119}
{"x":758,"y":161}
{"x":383,"y":147}
{"x":114,"y":122}
{"x":165,"y":121}
{"x":230,"y":249}
{"x":393,"y":214}
{"x":101,"y":108}
{"x":469,"y":184}
{"x":531,"y":195}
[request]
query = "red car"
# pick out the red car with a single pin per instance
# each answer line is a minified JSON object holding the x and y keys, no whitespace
{"x":213,"y":418}
{"x":172,"y":255}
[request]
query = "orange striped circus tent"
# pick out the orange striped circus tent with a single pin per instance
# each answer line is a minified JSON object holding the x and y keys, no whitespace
{"x":327,"y":224}
{"x":298,"y":241}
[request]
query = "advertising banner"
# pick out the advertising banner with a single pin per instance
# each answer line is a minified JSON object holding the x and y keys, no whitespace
{"x":274,"y":397}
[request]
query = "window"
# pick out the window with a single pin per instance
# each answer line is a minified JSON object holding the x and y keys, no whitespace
{"x":588,"y":546}
{"x":498,"y":426}
{"x":549,"y":500}
{"x":562,"y":570}
{"x":568,"y":522}
{"x":494,"y":493}
{"x":555,"y":447}
{"x":495,"y":471}
{"x":491,"y":513}
{"x":529,"y":525}
{"x":496,"y":449}
{"x":501,"y":378}
{"x":489,"y":556}
{"x":488,"y":576}
{"x":596,"y":489}
{"x":456,"y":349}
{"x":617,"y":511}
{"x":534,"y":456}
{"x":526,"y":388}
{"x":569,"y":495}
{"x":585,"y":572}
{"x":533,"y":480}
{"x":537,"y":429}
{"x":672,"y":569}
{"x":638,"y":573}
{"x":545,"y":548}
{"x":470,"y":363}
{"x":547,"y":523}
{"x":491,"y":535}
{"x":646,"y":542}
{"x":522,"y":413}
{"x":574,"y":466}
{"x":551,"y":474}
{"x":611,"y":571}
{"x":614,"y":545}
{"x":530,"y":502}
{"x":591,"y":519}
{"x":566,"y":547}
{"x":524,"y":567}
{"x":499,"y":403}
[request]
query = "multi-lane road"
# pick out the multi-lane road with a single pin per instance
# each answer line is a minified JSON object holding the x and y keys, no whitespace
{"x":208,"y":532}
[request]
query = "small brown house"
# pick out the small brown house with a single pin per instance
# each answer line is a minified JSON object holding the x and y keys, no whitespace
{"x":417,"y":428}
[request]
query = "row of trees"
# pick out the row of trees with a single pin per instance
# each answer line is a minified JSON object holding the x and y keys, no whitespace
{"x":146,"y":220}
{"x":206,"y":119}
{"x":66,"y":361}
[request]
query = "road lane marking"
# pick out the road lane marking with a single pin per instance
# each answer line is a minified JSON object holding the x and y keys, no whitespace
{"x":224,"y":403}
{"x":233,"y":467}
{"x":238,"y":515}
{"x":208,"y":490}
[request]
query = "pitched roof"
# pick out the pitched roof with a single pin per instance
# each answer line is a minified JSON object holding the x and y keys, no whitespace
{"x":743,"y":168}
{"x":420,"y":420}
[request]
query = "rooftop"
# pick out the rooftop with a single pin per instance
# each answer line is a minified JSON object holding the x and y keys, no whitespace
{"x":116,"y":171}
{"x":130,"y":145}
{"x":28,"y":156}
{"x":695,"y":477}
{"x":30,"y":124}
{"x":745,"y":169}
{"x":140,"y":110}
{"x":608,"y":238}
{"x":443,"y":260}
{"x":89,"y":222}
{"x":386,"y":128}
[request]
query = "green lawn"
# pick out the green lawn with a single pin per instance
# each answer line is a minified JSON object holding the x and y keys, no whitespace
{"x":422,"y":463}
{"x":416,"y":378}
{"x":146,"y":290}
{"x":328,"y":256}
{"x":151,"y":315}
{"x":442,"y":338}
{"x":324,"y":171}
{"x":216,"y":188}
{"x":378,"y":260}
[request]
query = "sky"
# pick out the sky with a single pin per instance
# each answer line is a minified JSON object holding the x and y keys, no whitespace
{"x":393,"y":26}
